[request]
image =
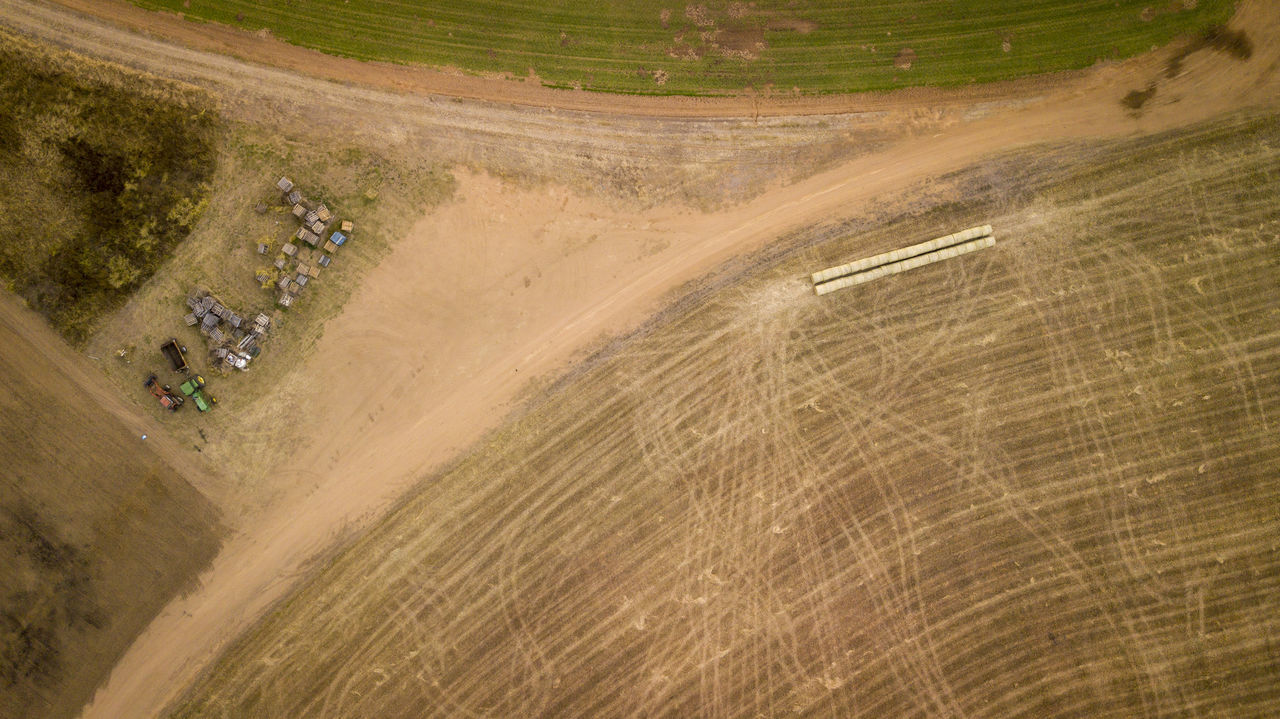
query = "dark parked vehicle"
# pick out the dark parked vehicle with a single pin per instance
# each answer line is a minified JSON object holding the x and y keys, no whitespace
{"x":174,"y":352}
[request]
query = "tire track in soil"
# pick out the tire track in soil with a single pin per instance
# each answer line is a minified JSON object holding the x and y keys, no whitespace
{"x":259,"y":567}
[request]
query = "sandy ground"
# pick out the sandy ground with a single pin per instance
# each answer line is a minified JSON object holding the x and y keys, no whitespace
{"x":442,"y":338}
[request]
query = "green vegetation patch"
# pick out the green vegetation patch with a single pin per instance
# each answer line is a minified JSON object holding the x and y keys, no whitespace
{"x":102,"y":173}
{"x":719,"y":47}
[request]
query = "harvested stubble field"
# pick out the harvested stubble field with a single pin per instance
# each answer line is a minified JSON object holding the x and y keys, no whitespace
{"x":1037,"y":481}
{"x":719,"y":47}
{"x":98,"y":529}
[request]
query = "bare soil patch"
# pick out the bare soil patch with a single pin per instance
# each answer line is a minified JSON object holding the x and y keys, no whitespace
{"x":804,"y":27}
{"x":904,"y":59}
{"x":745,"y":41}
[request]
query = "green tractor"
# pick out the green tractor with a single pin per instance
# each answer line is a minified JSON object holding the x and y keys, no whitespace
{"x":194,"y":388}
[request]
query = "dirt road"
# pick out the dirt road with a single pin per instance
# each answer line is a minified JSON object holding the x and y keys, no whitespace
{"x":387,"y":422}
{"x":651,"y":158}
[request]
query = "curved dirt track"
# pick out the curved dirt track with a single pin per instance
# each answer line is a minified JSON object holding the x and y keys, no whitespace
{"x":376,"y":460}
{"x":651,"y":158}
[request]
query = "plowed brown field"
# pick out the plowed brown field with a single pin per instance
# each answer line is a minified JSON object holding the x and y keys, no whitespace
{"x":98,"y":527}
{"x":1036,"y":481}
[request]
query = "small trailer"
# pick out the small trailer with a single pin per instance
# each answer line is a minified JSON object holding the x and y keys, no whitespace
{"x":175,"y":353}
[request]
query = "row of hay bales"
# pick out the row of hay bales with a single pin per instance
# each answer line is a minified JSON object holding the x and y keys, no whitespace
{"x":901,"y":260}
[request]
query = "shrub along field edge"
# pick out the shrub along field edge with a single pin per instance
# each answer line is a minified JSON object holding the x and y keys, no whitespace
{"x":102,"y":173}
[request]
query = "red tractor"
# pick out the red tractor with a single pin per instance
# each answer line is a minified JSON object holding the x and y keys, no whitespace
{"x":168,"y":400}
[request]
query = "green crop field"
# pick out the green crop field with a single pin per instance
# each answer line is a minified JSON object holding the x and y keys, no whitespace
{"x":642,"y":46}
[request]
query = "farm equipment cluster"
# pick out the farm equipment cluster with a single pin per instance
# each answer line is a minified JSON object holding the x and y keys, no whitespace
{"x":233,"y":338}
{"x":193,"y":388}
{"x":233,"y":343}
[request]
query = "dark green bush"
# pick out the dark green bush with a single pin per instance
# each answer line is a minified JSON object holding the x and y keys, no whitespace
{"x":102,"y":173}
